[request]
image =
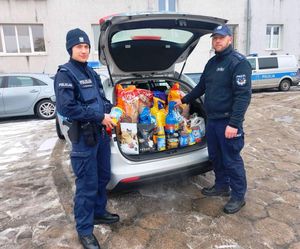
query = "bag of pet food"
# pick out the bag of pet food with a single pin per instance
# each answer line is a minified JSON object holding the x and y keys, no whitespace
{"x":145,"y":98}
{"x":145,"y":137}
{"x":130,"y":98}
{"x":128,"y":138}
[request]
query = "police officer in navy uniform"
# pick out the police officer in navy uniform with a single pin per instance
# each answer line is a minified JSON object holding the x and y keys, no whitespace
{"x":81,"y":101}
{"x":226,"y":82}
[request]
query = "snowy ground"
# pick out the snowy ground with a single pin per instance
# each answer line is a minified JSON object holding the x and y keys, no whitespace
{"x":36,"y":191}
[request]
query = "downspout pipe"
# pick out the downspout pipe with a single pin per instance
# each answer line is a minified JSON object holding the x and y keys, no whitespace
{"x":248,"y":38}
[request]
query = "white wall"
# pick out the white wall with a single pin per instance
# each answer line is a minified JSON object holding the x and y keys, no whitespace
{"x":284,"y":12}
{"x":59,"y":16}
{"x":232,"y":10}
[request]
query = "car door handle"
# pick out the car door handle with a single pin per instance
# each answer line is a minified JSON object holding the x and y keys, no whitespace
{"x":34,"y":91}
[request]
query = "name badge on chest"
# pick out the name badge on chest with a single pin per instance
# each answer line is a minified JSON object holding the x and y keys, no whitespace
{"x":86,"y":83}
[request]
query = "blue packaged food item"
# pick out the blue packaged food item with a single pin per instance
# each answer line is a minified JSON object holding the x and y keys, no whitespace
{"x":161,"y":95}
{"x":171,"y":119}
{"x":191,"y":137}
{"x":146,"y":118}
{"x":161,"y":142}
{"x":183,"y":139}
{"x":196,"y":133}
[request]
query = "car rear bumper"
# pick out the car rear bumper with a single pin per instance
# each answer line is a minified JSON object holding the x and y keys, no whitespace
{"x":196,"y":169}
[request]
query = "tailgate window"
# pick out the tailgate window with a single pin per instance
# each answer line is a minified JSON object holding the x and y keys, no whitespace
{"x":169,"y":35}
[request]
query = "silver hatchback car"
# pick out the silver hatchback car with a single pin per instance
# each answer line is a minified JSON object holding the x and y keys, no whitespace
{"x":26,"y":94}
{"x":141,"y":50}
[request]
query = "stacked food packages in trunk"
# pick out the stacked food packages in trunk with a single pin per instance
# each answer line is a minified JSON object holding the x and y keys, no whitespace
{"x":149,"y":121}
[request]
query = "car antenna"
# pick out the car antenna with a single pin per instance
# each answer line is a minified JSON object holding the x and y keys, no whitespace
{"x":110,"y":77}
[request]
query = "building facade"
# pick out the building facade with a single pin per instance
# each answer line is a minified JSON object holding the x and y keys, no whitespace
{"x":32,"y":32}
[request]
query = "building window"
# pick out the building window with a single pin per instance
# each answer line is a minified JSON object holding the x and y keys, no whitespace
{"x":233,"y":28}
{"x":167,"y":5}
{"x":21,"y":38}
{"x":273,"y":33}
{"x":1,"y":46}
{"x":96,"y":33}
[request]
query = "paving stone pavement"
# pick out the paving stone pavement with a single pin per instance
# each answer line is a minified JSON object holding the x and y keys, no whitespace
{"x":36,"y":192}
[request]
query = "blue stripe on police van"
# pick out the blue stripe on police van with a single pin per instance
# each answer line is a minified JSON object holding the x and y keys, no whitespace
{"x":266,"y":76}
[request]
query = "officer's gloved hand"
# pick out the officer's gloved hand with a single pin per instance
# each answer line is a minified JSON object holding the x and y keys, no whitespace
{"x":107,"y":121}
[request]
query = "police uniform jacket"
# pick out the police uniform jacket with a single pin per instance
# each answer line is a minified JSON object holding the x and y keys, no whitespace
{"x":79,"y":93}
{"x":226,"y":82}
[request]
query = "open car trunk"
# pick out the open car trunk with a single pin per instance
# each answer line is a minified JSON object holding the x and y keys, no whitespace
{"x":140,"y":135}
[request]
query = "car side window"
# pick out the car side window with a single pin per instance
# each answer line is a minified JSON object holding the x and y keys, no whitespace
{"x":252,"y":62}
{"x":268,"y":63}
{"x":39,"y":83}
{"x":20,"y":81}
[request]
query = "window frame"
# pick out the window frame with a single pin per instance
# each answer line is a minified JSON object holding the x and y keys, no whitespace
{"x":270,"y":40}
{"x":167,"y":5}
{"x":31,"y":35}
{"x":234,"y":30}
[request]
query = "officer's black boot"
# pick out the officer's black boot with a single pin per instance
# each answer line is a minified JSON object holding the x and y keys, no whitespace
{"x":89,"y":242}
{"x":212,"y":191}
{"x":106,"y":218}
{"x":233,"y":206}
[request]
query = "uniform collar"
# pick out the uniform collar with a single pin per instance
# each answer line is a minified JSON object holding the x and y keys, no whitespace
{"x":78,"y":63}
{"x":226,"y":51}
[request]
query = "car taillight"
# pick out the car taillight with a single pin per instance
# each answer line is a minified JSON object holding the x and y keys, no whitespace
{"x":130,"y":179}
{"x":109,"y":131}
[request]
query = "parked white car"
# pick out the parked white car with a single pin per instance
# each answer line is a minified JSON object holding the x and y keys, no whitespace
{"x":141,"y":50}
{"x":280,"y":71}
{"x":26,"y":94}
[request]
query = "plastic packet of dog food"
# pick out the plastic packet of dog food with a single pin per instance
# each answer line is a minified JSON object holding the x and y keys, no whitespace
{"x":145,"y":137}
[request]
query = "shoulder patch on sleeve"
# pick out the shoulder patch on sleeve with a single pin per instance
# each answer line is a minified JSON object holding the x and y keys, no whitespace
{"x":241,"y":79}
{"x":63,"y":81}
{"x":65,"y":85}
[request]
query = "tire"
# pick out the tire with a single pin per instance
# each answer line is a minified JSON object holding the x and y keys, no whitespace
{"x":284,"y":85}
{"x":58,"y":130}
{"x":45,"y":109}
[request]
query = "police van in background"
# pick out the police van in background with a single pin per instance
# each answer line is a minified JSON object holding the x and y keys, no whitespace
{"x":280,"y":71}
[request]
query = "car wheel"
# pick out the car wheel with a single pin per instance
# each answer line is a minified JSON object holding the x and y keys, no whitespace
{"x":284,"y":85}
{"x":45,"y":109}
{"x":58,"y":130}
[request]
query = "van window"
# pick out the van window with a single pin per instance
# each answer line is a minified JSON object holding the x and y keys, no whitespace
{"x":1,"y":79}
{"x":267,"y":63}
{"x":252,"y":62}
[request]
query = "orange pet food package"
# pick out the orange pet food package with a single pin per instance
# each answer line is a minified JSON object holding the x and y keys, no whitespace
{"x":130,"y":98}
{"x":119,"y":100}
{"x":145,"y":99}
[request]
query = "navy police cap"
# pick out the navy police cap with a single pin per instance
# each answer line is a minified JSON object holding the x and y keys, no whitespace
{"x":222,"y":30}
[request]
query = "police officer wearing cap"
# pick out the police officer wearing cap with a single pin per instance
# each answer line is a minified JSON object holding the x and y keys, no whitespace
{"x":226,"y":82}
{"x":82,"y":104}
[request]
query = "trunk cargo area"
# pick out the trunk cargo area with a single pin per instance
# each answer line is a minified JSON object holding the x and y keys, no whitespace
{"x":150,"y":125}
